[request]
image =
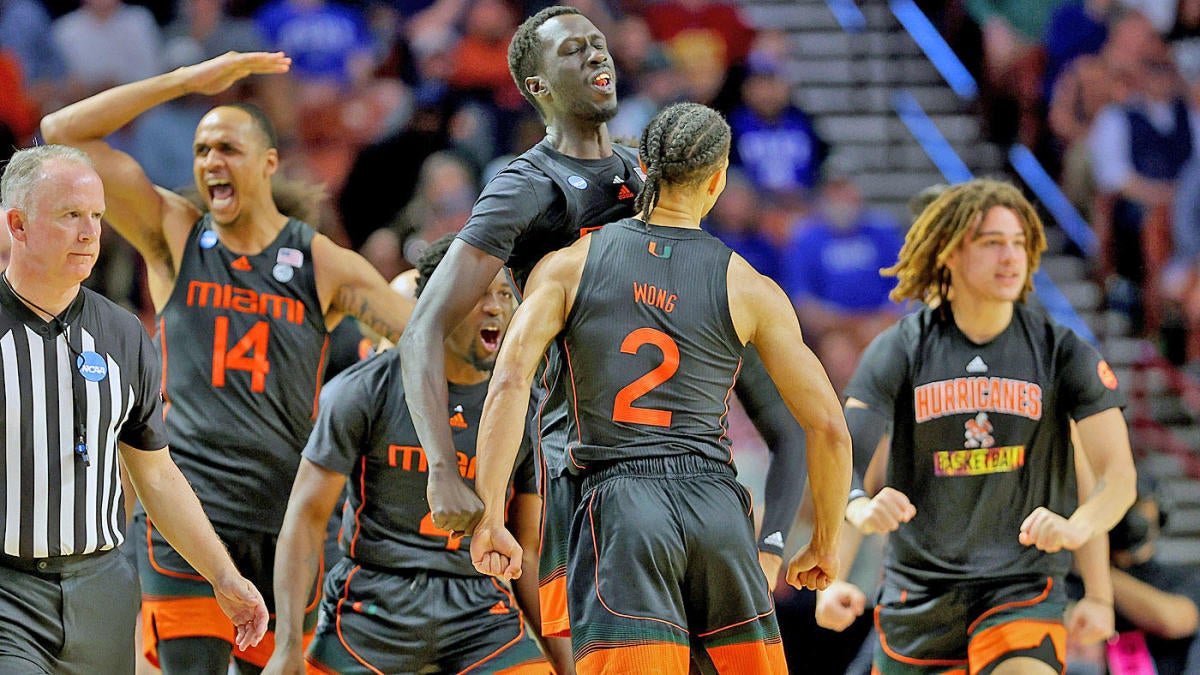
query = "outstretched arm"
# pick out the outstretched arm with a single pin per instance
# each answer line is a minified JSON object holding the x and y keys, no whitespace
{"x":176,"y":512}
{"x":453,"y":289}
{"x":551,"y":291}
{"x":153,"y":219}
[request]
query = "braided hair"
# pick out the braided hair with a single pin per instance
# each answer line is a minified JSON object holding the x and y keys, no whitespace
{"x":921,"y":268}
{"x":681,"y":146}
{"x":525,"y":49}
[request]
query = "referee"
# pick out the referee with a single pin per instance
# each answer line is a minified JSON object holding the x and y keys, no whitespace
{"x":80,"y":380}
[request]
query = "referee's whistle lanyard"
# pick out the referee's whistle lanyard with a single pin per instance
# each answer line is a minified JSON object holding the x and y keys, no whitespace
{"x":78,"y":389}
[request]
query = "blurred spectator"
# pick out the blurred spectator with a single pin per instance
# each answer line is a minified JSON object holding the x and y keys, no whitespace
{"x":203,"y":30}
{"x":832,"y":276}
{"x":328,"y":42}
{"x":1088,"y":85}
{"x":106,"y":43}
{"x":445,"y":192}
{"x":24,"y":25}
{"x":1075,"y":30}
{"x":773,"y":140}
{"x":735,"y":220}
{"x":1160,"y":12}
{"x":1138,"y":149}
{"x":480,"y":59}
{"x":1013,"y":61}
{"x":19,"y":113}
{"x":657,"y":86}
{"x":712,"y":26}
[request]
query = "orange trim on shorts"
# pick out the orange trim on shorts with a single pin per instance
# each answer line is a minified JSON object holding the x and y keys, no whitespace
{"x":996,"y":641}
{"x":739,"y":623}
{"x":315,"y":667}
{"x":908,"y":659}
{"x":160,"y":570}
{"x":596,"y":572}
{"x":552,"y":598}
{"x":660,"y":658}
{"x":174,"y":618}
{"x":1010,"y":605}
{"x":749,"y":657}
{"x":338,"y":623}
{"x":506,"y":645}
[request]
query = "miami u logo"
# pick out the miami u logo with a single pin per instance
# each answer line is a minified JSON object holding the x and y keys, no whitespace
{"x":666,"y":251}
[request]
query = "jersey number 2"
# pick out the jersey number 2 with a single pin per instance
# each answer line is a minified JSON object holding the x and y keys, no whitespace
{"x":623,"y":410}
{"x":248,"y":354}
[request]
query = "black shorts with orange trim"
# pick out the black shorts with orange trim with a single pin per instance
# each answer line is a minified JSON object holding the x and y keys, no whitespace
{"x":663,"y":562}
{"x":178,"y":603}
{"x":970,"y":628}
{"x":560,"y":499}
{"x":375,"y":621}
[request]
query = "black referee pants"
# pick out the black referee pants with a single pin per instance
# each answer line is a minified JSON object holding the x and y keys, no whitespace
{"x":71,"y":617}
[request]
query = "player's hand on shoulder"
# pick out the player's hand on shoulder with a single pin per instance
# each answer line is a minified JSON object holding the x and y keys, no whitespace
{"x":454,"y":506}
{"x":495,"y":552}
{"x":218,"y":74}
{"x":1050,"y":532}
{"x":812,"y":568}
{"x":839,"y":605}
{"x":244,"y":605}
{"x":882,"y":513}
{"x":285,"y":662}
{"x":1090,"y":620}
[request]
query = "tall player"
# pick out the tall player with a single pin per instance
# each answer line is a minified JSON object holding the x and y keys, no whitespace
{"x":245,"y":297}
{"x":569,"y":184}
{"x":980,"y":391}
{"x":405,"y":598}
{"x":652,"y":316}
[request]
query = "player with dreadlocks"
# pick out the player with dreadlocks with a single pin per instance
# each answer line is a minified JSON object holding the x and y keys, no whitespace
{"x":979,"y":391}
{"x":652,"y":315}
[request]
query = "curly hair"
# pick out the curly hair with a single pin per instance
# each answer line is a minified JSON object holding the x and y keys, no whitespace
{"x":430,"y":259}
{"x":525,"y":49}
{"x":921,"y":268}
{"x":681,"y":146}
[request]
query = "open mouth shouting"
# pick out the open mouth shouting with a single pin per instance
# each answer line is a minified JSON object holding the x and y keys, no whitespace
{"x":490,"y":337}
{"x":604,"y":82}
{"x":220,"y":193}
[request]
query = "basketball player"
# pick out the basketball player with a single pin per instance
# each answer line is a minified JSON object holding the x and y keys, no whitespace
{"x":245,"y":297}
{"x":980,"y":391}
{"x":569,"y":184}
{"x":652,"y":316}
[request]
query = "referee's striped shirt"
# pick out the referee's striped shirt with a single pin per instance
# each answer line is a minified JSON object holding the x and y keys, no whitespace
{"x":54,"y":503}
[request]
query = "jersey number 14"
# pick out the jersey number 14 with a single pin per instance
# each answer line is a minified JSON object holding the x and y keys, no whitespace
{"x":248,"y":354}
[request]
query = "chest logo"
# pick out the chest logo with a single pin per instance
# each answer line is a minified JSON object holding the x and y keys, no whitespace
{"x":91,"y":366}
{"x":208,"y":239}
{"x":578,"y":182}
{"x":283,"y":273}
{"x":979,"y":432}
{"x":625,"y":193}
{"x":617,"y":180}
{"x":977,"y":365}
{"x":241,"y":264}
{"x":457,"y":421}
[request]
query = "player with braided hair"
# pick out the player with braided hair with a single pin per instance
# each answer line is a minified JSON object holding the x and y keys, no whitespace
{"x":979,"y":391}
{"x":662,"y":544}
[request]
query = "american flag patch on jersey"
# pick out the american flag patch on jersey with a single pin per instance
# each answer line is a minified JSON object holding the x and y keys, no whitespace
{"x":290,"y":256}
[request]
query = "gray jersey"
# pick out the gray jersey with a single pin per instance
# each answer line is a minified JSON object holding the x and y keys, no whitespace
{"x":365,"y":432}
{"x":243,"y":344}
{"x":980,"y":439}
{"x":649,"y":347}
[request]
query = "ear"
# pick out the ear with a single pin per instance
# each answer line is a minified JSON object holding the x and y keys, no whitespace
{"x":714,"y":181}
{"x":537,"y":86}
{"x":16,"y":219}
{"x":272,"y":161}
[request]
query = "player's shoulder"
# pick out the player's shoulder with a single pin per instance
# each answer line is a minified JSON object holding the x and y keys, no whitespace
{"x":365,"y":380}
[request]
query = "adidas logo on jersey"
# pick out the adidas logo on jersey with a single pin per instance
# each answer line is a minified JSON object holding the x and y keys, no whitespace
{"x":977,"y":366}
{"x":617,"y":180}
{"x":241,"y":264}
{"x":625,"y":193}
{"x":775,"y":539}
{"x":457,"y":421}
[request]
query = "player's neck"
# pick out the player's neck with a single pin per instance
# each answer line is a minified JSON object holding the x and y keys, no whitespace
{"x":252,"y":231}
{"x":676,"y":209}
{"x":982,"y":321}
{"x":44,"y":295}
{"x":579,"y":139}
{"x":462,"y":373}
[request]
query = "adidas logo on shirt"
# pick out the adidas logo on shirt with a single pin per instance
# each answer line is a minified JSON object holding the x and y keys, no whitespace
{"x":977,"y":365}
{"x":775,"y":539}
{"x":617,"y":180}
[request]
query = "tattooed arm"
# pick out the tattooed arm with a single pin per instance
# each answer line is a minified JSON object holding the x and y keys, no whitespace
{"x":348,"y":284}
